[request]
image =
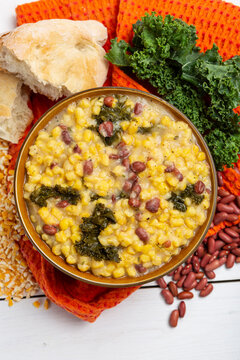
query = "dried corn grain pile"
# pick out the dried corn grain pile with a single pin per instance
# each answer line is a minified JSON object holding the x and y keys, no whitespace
{"x":16,"y":279}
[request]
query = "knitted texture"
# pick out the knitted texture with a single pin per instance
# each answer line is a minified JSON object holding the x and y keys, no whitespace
{"x":215,"y":21}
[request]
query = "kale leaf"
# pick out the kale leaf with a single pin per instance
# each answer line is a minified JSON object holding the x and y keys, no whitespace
{"x":40,"y":195}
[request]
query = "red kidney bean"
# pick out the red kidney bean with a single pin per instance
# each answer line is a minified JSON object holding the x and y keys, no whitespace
{"x":223,"y":253}
{"x":114,"y":156}
{"x":185,"y":295}
{"x":173,"y":288}
{"x":189,"y":279}
{"x":153,"y":205}
{"x":49,"y":229}
{"x":170,"y":168}
{"x":231,"y":232}
{"x":186,"y":270}
{"x":138,"y":166}
{"x":202,"y":283}
{"x":106,"y":129}
{"x":200,"y":251}
{"x":195,"y":264}
{"x":210,"y":274}
{"x":168,"y":297}
{"x":123,"y":152}
{"x":178,"y":174}
{"x":134,"y":202}
{"x":87,"y":167}
{"x":189,"y":260}
{"x":235,"y":208}
{"x":227,"y":199}
{"x":182,"y":309}
{"x":193,"y":285}
{"x":199,"y":187}
{"x":219,"y":244}
{"x":225,"y":208}
{"x":108,"y":101}
{"x":126,"y":163}
{"x":142,"y":234}
{"x":77,"y":149}
{"x":211,"y":245}
{"x":205,"y":260}
{"x":230,"y":261}
{"x":232,"y":217}
{"x":213,"y":257}
{"x":237,"y":260}
{"x":138,"y":216}
{"x":226,"y":238}
{"x":132,"y":177}
{"x":238,"y":201}
{"x":206,"y":291}
{"x":140,"y":268}
{"x":173,"y":320}
{"x":220,"y":178}
{"x":62,"y":204}
{"x":127,"y":186}
{"x":171,"y":273}
{"x":222,"y":260}
{"x":177,"y":273}
{"x":136,"y":189}
{"x":138,"y":108}
{"x":208,"y":191}
{"x":219,"y":217}
{"x":53,"y":164}
{"x":214,"y":265}
{"x":162,"y":283}
{"x":236,"y":252}
{"x":181,"y":281}
{"x":222,"y":192}
{"x":167,"y":243}
{"x":66,"y":138}
{"x":230,"y":246}
{"x":114,"y":199}
{"x":199,"y":275}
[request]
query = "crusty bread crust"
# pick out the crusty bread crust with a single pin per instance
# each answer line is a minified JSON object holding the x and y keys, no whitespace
{"x":56,"y":57}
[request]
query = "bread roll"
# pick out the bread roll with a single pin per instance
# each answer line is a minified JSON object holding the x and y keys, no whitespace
{"x":56,"y":57}
{"x":15,"y":114}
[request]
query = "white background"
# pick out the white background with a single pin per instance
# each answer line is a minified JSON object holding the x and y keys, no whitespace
{"x":135,"y":329}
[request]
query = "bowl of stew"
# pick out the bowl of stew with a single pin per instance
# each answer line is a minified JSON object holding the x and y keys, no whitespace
{"x":115,"y":186}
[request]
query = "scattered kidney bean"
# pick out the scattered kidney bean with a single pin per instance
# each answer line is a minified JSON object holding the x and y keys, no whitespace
{"x":126,"y":163}
{"x":178,"y":174}
{"x":199,"y":275}
{"x":87,"y":167}
{"x":162,"y":283}
{"x":49,"y":229}
{"x":205,"y":260}
{"x":140,"y":268}
{"x":212,"y":266}
{"x":226,"y":238}
{"x":181,"y":281}
{"x":114,"y":156}
{"x":235,"y":208}
{"x":185,"y":295}
{"x":219,"y":217}
{"x":199,"y":187}
{"x":182,"y":309}
{"x":134,"y":202}
{"x":206,"y":291}
{"x":62,"y":204}
{"x":230,"y":261}
{"x":222,"y":192}
{"x":173,"y":321}
{"x":108,"y":101}
{"x":232,"y":217}
{"x":193,"y":285}
{"x":77,"y":149}
{"x":153,"y":205}
{"x":230,"y":246}
{"x":186,"y":269}
{"x":138,"y":166}
{"x":219,"y":244}
{"x":202,"y":283}
{"x":238,"y":200}
{"x":127,"y":186}
{"x":66,"y":138}
{"x":138,"y":108}
{"x":231,"y":232}
{"x":142,"y":234}
{"x":189,"y":260}
{"x":222,"y":260}
{"x":168,"y":297}
{"x":106,"y":129}
{"x":227,"y":199}
{"x":211,"y":245}
{"x":237,"y":260}
{"x":200,"y":251}
{"x":223,"y":253}
{"x":191,"y":277}
{"x":210,"y":274}
{"x":170,"y":168}
{"x":138,"y":216}
{"x":236,"y":252}
{"x":136,"y":189}
{"x":220,"y":178}
{"x":177,"y":273}
{"x":173,"y":288}
{"x":226,"y":208}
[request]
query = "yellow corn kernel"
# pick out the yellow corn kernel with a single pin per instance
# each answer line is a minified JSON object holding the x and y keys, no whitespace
{"x":61,"y":237}
{"x":74,"y":237}
{"x":133,"y":128}
{"x":84,"y":103}
{"x":104,"y":159}
{"x":191,"y":211}
{"x":92,"y":149}
{"x":43,"y":135}
{"x":35,"y":179}
{"x":119,"y":272}
{"x":201,"y":156}
{"x":56,"y":132}
{"x":195,"y":149}
{"x":44,"y":237}
{"x":46,"y":181}
{"x":79,"y":169}
{"x":200,"y":218}
{"x":124,"y":125}
{"x":205,"y":204}
{"x":97,"y":264}
{"x":128,"y":139}
{"x":65,"y":250}
{"x":146,"y":249}
{"x":57,"y":170}
{"x":96,"y":109}
{"x":74,"y":158}
{"x":166,"y":121}
{"x":87,"y":135}
{"x":188,"y":201}
{"x":191,"y":178}
{"x":172,"y":180}
{"x":176,"y":222}
{"x":43,"y":212}
{"x":70,"y":176}
{"x":191,"y":224}
{"x":38,"y":229}
{"x":131,"y":271}
{"x":83,"y":267}
{"x":157,"y":260}
{"x":163,"y":188}
{"x":144,"y":258}
{"x":57,"y":213}
{"x":188,"y":233}
{"x":119,"y":170}
{"x":56,"y":249}
{"x":78,"y":185}
{"x":32,"y":170}
{"x":71,"y":260}
{"x":36,"y":304}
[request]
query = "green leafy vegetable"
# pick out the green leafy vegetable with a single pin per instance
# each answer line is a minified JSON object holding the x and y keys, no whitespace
{"x":89,"y":245}
{"x":178,"y":202}
{"x":40,"y":195}
{"x":191,"y":193}
{"x":201,"y":85}
{"x":144,"y":130}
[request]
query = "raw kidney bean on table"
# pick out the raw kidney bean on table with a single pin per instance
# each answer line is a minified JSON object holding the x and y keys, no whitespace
{"x":173,"y":321}
{"x":182,"y":309}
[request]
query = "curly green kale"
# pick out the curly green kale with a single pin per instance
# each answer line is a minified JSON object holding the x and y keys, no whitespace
{"x":40,"y":195}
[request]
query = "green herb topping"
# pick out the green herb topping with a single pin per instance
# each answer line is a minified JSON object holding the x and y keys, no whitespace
{"x":178,"y":202}
{"x":91,"y":229}
{"x":40,"y":195}
{"x":178,"y":199}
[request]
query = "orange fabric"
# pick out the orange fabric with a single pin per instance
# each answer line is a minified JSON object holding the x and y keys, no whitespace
{"x":216,"y":21}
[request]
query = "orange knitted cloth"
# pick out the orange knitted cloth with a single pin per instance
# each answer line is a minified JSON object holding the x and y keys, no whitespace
{"x":216,"y":21}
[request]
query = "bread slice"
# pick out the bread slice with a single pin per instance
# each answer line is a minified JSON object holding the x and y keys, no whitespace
{"x":56,"y":57}
{"x":15,"y":114}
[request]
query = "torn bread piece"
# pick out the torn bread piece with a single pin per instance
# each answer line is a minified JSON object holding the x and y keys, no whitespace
{"x":15,"y":114}
{"x":56,"y":57}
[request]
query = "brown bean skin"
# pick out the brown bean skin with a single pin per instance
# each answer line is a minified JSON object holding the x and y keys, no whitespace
{"x":231,"y":232}
{"x":108,"y":101}
{"x":168,"y":297}
{"x":182,"y":309}
{"x":142,"y":234}
{"x":223,"y":253}
{"x":219,"y":244}
{"x":235,"y":208}
{"x":205,"y":292}
{"x":136,"y":189}
{"x":238,"y":200}
{"x":138,"y":108}
{"x":222,"y":260}
{"x":106,"y":129}
{"x":193,"y":285}
{"x":195,"y":264}
{"x":185,"y":295}
{"x":230,"y":246}
{"x":127,"y":186}
{"x":169,"y":168}
{"x":225,"y":208}
{"x":181,"y":281}
{"x":200,"y":251}
{"x":199,"y":187}
{"x":199,"y":275}
{"x":227,"y":199}
{"x":134,"y":202}
{"x":220,"y":178}
{"x":236,"y":252}
{"x":49,"y":229}
{"x":211,"y":245}
{"x":187,"y":269}
{"x":202,"y":283}
{"x":237,"y":261}
{"x":189,"y":260}
{"x":140,"y":268}
{"x":210,"y":274}
{"x":126,"y":163}
{"x":66,"y":138}
{"x":53,"y":164}
{"x":222,"y":192}
{"x":87,"y":167}
{"x":77,"y":149}
{"x":177,"y":273}
{"x":232,"y":217}
{"x":219,"y":217}
{"x":173,"y":321}
{"x":62,"y":204}
{"x":123,"y":152}
{"x":162,"y":283}
{"x":138,"y":166}
{"x":153,"y":205}
{"x":205,"y":260}
{"x":173,"y":288}
{"x":214,"y":265}
{"x":230,"y":261}
{"x":223,"y":236}
{"x":189,"y":280}
{"x":178,"y":174}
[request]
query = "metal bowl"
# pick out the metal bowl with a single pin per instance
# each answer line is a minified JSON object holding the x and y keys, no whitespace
{"x":58,"y":261}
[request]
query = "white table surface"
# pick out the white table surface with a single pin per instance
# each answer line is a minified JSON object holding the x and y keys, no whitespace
{"x":135,"y":329}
